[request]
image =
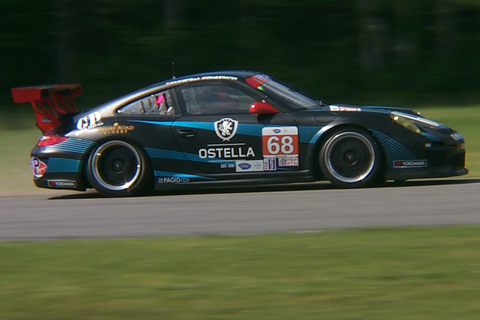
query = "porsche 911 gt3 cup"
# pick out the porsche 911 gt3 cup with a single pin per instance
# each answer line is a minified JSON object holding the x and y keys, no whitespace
{"x":229,"y":127}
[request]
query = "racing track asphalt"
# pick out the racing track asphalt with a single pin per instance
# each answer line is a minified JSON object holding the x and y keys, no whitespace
{"x":293,"y":208}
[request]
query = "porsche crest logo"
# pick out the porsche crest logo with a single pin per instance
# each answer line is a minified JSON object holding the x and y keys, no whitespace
{"x":226,"y":128}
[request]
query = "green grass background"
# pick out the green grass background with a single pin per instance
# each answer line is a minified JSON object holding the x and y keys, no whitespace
{"x":410,"y":273}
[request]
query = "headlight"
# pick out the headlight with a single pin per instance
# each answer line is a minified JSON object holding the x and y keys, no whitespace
{"x":405,"y":122}
{"x":456,"y":136}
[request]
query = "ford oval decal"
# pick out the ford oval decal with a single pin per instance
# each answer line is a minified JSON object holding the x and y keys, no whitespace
{"x":244,"y":166}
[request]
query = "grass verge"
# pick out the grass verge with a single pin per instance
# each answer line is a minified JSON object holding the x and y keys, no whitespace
{"x":15,"y":172}
{"x":409,"y":273}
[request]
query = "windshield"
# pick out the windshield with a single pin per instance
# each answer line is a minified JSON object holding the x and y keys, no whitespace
{"x":292,"y":98}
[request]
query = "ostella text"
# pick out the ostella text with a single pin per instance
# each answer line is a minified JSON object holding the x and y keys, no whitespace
{"x":226,"y":152}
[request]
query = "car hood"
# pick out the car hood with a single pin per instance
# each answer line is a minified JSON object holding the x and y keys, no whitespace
{"x":381,"y":109}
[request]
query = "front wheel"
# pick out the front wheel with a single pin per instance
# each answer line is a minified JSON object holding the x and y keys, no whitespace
{"x":351,"y":158}
{"x":117,"y":168}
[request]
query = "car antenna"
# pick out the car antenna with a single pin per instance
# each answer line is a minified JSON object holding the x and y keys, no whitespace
{"x":173,"y":70}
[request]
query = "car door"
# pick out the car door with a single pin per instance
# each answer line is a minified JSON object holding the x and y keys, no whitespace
{"x":220,"y":136}
{"x":151,"y":117}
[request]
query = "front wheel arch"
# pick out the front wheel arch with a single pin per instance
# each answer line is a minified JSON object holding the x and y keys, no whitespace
{"x":370,"y":173}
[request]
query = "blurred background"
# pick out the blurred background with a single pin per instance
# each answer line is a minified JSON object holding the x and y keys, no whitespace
{"x":412,"y":53}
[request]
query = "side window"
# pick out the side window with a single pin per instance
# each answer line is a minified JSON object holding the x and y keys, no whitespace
{"x":215,"y":99}
{"x":159,"y":104}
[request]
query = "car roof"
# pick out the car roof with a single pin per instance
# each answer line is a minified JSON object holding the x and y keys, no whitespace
{"x":228,"y":73}
{"x":114,"y":103}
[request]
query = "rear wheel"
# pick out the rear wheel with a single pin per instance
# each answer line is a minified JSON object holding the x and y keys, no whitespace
{"x":351,"y":158}
{"x":117,"y":168}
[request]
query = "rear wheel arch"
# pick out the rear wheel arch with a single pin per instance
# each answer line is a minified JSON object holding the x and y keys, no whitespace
{"x":141,"y":179}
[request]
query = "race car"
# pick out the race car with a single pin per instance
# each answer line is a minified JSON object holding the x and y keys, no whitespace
{"x":228,"y":128}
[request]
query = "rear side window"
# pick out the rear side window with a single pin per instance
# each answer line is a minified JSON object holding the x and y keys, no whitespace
{"x":159,"y":104}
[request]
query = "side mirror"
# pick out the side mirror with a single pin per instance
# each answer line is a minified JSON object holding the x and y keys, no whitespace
{"x":262,"y":108}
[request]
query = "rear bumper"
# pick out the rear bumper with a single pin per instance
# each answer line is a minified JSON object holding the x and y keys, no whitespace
{"x":57,"y":173}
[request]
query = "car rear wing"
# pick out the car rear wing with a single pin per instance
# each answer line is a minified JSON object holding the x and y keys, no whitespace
{"x":49,"y":102}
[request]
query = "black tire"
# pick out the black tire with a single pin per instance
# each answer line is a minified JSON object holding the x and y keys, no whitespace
{"x":117,"y":168}
{"x":350,"y":158}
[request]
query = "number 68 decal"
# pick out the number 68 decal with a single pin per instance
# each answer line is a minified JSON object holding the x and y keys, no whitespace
{"x":282,"y":141}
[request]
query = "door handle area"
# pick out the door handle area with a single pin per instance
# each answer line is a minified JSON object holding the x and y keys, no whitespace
{"x":185,"y":133}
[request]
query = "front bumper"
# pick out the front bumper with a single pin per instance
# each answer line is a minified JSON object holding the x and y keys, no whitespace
{"x":438,"y":162}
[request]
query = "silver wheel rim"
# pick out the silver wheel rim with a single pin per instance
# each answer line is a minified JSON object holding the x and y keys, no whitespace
{"x":123,"y":157}
{"x":360,"y":150}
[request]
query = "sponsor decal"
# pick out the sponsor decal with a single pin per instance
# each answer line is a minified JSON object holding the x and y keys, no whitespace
{"x":226,"y":128}
{"x":116,"y":129}
{"x":67,"y":184}
{"x":343,"y":108}
{"x":38,"y":167}
{"x":226,"y":151}
{"x":193,"y":79}
{"x":173,"y":180}
{"x":288,"y":162}
{"x":258,"y":80}
{"x":409,"y":163}
{"x":244,"y":166}
{"x":281,"y":143}
{"x":249,"y":165}
{"x":90,"y":121}
{"x":270,"y":164}
{"x":227,"y":165}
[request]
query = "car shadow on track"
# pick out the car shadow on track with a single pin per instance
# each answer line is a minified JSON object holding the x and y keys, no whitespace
{"x":270,"y":188}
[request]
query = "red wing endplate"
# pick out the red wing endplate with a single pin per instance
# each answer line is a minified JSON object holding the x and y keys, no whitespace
{"x":49,"y":102}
